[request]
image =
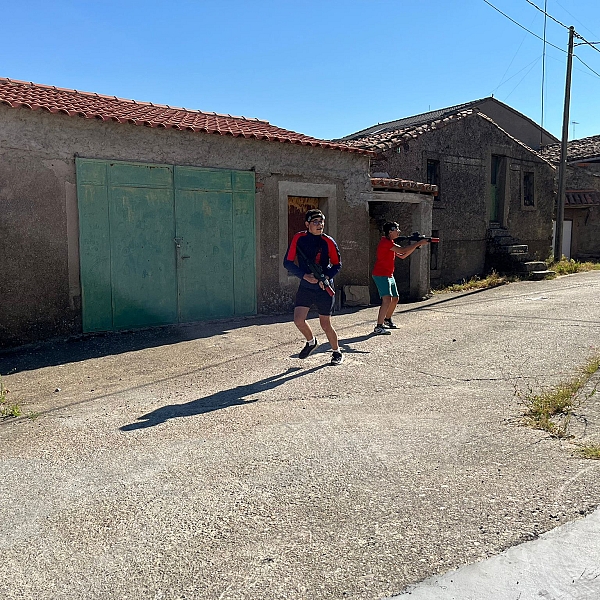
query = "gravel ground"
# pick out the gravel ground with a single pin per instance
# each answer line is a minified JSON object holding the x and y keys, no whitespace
{"x":208,"y":461}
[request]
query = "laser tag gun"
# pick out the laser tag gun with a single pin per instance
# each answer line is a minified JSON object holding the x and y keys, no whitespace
{"x":317,"y":271}
{"x":416,"y":237}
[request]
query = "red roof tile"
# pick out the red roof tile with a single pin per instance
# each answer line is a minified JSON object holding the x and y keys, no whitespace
{"x":89,"y":105}
{"x":582,"y":198}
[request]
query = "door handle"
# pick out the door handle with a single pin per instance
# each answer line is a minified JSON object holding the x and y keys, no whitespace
{"x":178,"y":241}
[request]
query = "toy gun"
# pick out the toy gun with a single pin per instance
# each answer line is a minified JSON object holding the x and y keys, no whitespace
{"x":416,"y":237}
{"x":317,"y":271}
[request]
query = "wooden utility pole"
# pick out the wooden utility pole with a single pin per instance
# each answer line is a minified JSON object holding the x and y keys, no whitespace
{"x":562,"y":167}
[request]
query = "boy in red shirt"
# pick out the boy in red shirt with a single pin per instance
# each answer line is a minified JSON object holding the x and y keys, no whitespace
{"x":383,"y":274}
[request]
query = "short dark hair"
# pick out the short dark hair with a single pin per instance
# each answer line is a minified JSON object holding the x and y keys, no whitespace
{"x":388,"y":226}
{"x":312,"y":213}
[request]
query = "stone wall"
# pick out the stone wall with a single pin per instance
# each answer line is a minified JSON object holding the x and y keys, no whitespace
{"x":461,"y":213}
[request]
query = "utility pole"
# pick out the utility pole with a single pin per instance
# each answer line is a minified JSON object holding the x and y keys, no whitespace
{"x":562,"y":167}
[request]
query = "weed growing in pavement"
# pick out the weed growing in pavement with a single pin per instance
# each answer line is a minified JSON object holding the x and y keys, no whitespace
{"x":589,"y":451}
{"x":566,"y":266}
{"x":7,"y":409}
{"x":561,"y":267}
{"x":551,"y":409}
{"x":479,"y":283}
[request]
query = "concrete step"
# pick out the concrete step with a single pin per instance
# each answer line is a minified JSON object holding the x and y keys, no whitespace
{"x":517,"y":249}
{"x":539,"y":275}
{"x":495,"y":232}
{"x":534,"y":265}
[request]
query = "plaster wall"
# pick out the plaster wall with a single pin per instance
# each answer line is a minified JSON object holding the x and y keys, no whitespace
{"x":39,"y":246}
{"x":461,"y":213}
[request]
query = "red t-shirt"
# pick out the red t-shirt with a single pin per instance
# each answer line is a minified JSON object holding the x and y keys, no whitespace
{"x":385,"y":261}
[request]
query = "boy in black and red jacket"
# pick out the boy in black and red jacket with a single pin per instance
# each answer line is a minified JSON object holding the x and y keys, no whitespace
{"x":313,"y":246}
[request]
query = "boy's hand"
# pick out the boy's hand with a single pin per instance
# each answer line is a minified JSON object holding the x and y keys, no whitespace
{"x":310,"y":278}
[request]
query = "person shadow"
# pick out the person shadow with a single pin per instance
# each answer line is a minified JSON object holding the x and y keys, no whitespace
{"x":347,"y":349}
{"x":219,"y":400}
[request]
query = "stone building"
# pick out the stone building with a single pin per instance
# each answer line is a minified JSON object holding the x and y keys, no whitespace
{"x":495,"y":194}
{"x":581,"y":228}
{"x":119,"y":214}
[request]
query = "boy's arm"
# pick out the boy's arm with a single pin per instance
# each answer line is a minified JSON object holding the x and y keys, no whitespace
{"x":405,"y":251}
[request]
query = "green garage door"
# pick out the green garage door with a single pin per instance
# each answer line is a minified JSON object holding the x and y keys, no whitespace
{"x":161,"y":244}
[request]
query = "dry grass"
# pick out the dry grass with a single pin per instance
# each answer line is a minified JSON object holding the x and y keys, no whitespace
{"x":551,"y":409}
{"x":478,"y":283}
{"x":591,"y":451}
{"x":7,"y":409}
{"x":568,"y":266}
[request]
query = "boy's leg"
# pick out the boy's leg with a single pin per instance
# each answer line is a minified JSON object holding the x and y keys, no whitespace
{"x":300,"y":314}
{"x":393,"y":302}
{"x":332,"y":338}
{"x":386,"y":301}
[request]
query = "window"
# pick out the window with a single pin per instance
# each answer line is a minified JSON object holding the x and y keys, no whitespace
{"x":297,"y":209}
{"x":528,"y":189}
{"x":433,"y":175}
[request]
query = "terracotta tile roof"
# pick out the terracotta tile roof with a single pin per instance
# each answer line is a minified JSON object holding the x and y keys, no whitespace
{"x":388,"y":138}
{"x":22,"y":94}
{"x":379,"y":142}
{"x":577,"y":150}
{"x":438,"y":115}
{"x":582,"y":198}
{"x":403,"y":184}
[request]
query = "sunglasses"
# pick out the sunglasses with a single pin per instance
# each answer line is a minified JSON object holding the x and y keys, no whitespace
{"x":317,"y":222}
{"x":393,"y":229}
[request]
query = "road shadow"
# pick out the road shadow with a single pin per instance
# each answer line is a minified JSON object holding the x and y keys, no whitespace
{"x":96,"y":345}
{"x":219,"y":400}
{"x":89,"y":346}
{"x":347,"y":349}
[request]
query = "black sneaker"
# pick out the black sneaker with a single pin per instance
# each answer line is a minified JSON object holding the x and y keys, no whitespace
{"x":337,"y":358}
{"x":389,"y":324}
{"x":308,"y":348}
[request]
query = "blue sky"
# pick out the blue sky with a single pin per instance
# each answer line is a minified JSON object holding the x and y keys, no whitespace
{"x":325,"y":68}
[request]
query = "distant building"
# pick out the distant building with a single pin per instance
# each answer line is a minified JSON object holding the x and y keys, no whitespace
{"x":495,"y":194}
{"x":581,"y":230}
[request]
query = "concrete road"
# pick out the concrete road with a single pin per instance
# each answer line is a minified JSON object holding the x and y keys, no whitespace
{"x":562,"y":564}
{"x":208,"y":461}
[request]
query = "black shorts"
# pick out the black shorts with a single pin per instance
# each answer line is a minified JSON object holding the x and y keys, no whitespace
{"x":320,"y":298}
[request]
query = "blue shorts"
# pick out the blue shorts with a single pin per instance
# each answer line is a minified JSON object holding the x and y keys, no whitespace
{"x":386,"y":286}
{"x":307,"y":296}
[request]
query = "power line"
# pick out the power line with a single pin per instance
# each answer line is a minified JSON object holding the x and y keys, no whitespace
{"x":586,"y":42}
{"x":535,"y":60}
{"x":543,"y":10}
{"x":588,"y":66}
{"x":511,"y":62}
{"x":522,"y":27}
{"x":522,"y":78}
{"x":577,"y":35}
{"x":576,"y":19}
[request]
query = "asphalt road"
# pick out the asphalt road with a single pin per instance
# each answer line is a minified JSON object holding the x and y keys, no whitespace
{"x":209,"y":462}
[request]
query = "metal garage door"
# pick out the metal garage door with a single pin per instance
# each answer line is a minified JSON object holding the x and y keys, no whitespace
{"x":162,"y":244}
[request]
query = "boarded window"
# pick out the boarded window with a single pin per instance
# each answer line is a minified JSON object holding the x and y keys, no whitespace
{"x":528,"y":189}
{"x":297,"y":209}
{"x":433,"y":175}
